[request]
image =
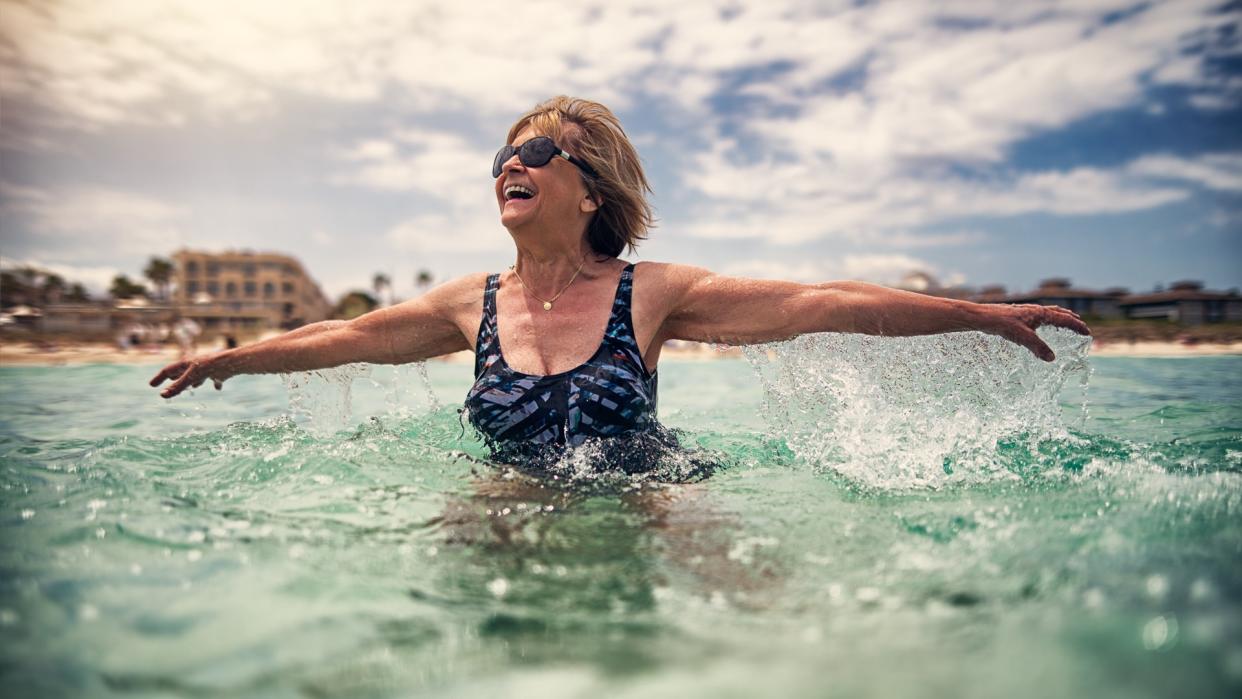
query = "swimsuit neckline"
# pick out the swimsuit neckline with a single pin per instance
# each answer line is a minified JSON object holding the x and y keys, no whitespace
{"x":603,"y":340}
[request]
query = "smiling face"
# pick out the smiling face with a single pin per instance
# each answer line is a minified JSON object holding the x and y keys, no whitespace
{"x":551,"y":195}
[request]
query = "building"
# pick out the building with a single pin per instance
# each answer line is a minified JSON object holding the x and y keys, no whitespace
{"x":1185,"y":302}
{"x":239,"y":291}
{"x":1059,"y":292}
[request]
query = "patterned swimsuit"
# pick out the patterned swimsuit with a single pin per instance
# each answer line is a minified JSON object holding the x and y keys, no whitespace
{"x":525,"y":417}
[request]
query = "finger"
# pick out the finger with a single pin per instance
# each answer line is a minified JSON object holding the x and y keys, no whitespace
{"x":1039,"y":348}
{"x":177,"y":386}
{"x":171,"y":371}
{"x":1021,"y":335}
{"x":1069,"y":323}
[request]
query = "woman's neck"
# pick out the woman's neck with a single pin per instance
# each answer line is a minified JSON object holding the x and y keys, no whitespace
{"x":548,"y":269}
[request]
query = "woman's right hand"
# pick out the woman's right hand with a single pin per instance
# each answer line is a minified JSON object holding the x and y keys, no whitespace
{"x":191,"y":373}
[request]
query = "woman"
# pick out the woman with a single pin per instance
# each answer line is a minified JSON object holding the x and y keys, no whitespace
{"x":572,"y":193}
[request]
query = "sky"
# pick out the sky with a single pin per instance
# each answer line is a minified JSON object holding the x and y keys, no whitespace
{"x":983,"y":142}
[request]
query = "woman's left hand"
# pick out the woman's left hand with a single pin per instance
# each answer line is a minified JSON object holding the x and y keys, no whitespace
{"x":1017,"y":323}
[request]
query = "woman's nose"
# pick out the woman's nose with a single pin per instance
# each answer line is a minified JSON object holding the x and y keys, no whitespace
{"x":513,"y":163}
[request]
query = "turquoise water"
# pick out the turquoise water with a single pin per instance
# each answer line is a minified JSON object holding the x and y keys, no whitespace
{"x":931,"y":517}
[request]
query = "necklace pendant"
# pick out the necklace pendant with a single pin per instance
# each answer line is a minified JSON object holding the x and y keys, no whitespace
{"x":547,"y":305}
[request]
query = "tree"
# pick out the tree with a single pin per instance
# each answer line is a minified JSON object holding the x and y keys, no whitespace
{"x":77,"y":294}
{"x":159,"y":271}
{"x":53,"y":288}
{"x":354,"y":304}
{"x":123,"y":288}
{"x":423,"y":280}
{"x":380,"y":282}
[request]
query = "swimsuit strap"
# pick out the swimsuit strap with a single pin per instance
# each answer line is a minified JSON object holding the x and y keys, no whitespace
{"x":486,"y":345}
{"x":621,"y":323}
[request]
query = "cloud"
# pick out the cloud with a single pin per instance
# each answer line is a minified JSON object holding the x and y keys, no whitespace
{"x":88,"y":223}
{"x":791,"y":203}
{"x":1219,"y":171}
{"x":875,"y":267}
{"x":962,"y":77}
{"x":438,"y":163}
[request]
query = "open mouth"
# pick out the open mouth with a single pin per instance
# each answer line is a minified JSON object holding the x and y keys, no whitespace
{"x":517,"y":191}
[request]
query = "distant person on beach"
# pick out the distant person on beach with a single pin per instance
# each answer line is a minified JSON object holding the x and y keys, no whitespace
{"x":567,"y":340}
{"x":185,"y":331}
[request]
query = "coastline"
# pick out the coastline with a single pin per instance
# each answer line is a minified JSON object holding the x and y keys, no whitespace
{"x":80,"y":353}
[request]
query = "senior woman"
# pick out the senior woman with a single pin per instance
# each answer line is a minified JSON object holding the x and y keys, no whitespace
{"x":567,"y":340}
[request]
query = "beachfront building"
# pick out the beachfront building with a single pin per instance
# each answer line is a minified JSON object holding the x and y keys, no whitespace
{"x":1060,"y":292}
{"x":244,"y":291}
{"x":1185,"y":302}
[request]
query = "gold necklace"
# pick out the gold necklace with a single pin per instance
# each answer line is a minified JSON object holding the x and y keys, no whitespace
{"x":547,"y":305}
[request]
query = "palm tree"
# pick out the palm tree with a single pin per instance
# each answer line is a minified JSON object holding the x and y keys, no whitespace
{"x":160,"y":272}
{"x":123,"y":288}
{"x":423,"y":280}
{"x":380,"y":282}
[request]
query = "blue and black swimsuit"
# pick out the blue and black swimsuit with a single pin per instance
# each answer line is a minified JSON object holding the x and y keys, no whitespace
{"x":609,"y":400}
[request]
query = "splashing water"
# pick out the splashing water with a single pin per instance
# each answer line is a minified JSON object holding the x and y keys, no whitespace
{"x":915,"y":411}
{"x":213,"y":547}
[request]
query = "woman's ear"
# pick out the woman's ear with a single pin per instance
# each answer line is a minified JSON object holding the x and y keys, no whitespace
{"x":588,"y":204}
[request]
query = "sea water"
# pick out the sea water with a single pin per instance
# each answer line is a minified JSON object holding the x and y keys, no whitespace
{"x":891,"y":517}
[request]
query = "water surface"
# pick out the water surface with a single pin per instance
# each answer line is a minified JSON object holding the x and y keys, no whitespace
{"x":934,"y":517}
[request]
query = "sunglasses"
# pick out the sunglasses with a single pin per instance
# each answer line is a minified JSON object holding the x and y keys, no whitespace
{"x":536,"y":152}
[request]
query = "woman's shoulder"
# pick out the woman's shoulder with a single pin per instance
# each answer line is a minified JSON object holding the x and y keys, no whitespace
{"x":466,"y":289}
{"x":668,"y":274}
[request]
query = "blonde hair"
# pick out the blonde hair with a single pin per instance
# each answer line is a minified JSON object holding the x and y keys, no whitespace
{"x":621,"y":189}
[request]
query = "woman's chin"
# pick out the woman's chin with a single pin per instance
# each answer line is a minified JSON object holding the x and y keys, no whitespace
{"x":516,"y":213}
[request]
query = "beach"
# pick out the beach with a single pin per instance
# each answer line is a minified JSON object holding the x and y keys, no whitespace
{"x":22,"y":353}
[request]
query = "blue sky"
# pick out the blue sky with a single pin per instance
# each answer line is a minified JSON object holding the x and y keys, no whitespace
{"x":984,"y":142}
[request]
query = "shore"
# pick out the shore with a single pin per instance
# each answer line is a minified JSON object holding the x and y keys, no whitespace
{"x":69,"y":354}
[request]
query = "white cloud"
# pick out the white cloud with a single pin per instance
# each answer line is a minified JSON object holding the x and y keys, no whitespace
{"x":440,"y":164}
{"x":874,"y":267}
{"x":795,"y":202}
{"x":1220,"y":171}
{"x":1002,"y":69}
{"x":86,"y":223}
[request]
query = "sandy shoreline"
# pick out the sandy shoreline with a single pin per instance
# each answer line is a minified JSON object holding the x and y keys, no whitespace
{"x":67,"y":354}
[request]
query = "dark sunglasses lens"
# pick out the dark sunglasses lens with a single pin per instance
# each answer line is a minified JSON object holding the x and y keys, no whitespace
{"x":502,"y":157}
{"x":537,"y":151}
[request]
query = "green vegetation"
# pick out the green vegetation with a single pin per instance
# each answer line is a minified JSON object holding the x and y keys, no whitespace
{"x":160,"y":272}
{"x":354,"y":304}
{"x":123,"y":288}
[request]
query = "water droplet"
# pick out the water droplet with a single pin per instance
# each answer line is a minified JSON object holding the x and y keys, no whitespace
{"x":27,"y":514}
{"x":1160,"y":633}
{"x":1157,"y":587}
{"x":1093,"y":599}
{"x":88,"y":612}
{"x":194,"y":555}
{"x":135,"y":569}
{"x":867,"y":595}
{"x":498,"y":587}
{"x":8,"y":617}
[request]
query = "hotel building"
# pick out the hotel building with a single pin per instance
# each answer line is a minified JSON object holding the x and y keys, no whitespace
{"x":240,"y":291}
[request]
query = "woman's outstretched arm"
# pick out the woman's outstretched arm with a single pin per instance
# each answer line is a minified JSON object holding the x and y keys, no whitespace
{"x":709,"y":307}
{"x":424,"y":327}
